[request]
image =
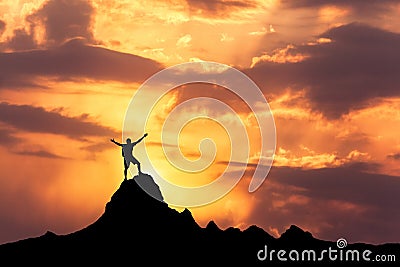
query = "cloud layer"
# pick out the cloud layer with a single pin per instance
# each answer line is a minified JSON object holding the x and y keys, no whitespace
{"x":38,"y":120}
{"x":358,"y":64}
{"x":73,"y":59}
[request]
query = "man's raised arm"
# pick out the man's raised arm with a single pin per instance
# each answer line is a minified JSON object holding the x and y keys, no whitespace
{"x":141,"y":138}
{"x":115,"y":142}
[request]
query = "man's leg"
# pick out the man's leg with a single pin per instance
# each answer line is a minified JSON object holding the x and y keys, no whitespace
{"x":136,"y":162}
{"x":126,"y":166}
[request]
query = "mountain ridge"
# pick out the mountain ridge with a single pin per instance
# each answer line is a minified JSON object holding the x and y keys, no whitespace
{"x":138,"y":227}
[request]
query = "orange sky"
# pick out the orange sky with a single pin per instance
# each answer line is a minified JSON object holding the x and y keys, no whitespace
{"x":329,"y":70}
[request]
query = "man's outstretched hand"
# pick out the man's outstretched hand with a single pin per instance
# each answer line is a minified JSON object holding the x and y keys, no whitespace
{"x":146,"y":134}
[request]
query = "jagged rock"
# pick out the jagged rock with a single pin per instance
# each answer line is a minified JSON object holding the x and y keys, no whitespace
{"x":137,"y":228}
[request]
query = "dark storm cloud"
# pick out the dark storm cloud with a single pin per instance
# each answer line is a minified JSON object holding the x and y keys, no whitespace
{"x":74,"y":59}
{"x":214,"y":7}
{"x":360,"y":65}
{"x":362,"y":7}
{"x":38,"y":120}
{"x":65,"y":19}
{"x":21,"y":40}
{"x":335,"y":199}
{"x":61,"y":19}
{"x":347,"y":183}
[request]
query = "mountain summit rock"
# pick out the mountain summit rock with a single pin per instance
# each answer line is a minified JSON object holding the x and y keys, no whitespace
{"x":138,"y":229}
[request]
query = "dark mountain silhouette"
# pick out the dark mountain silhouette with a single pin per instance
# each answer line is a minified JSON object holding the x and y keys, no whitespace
{"x":139,"y":230}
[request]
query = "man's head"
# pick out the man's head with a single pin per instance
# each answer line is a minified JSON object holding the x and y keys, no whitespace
{"x":128,"y":140}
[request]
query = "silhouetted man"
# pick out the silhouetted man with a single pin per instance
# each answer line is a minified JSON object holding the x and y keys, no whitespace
{"x":127,"y":153}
